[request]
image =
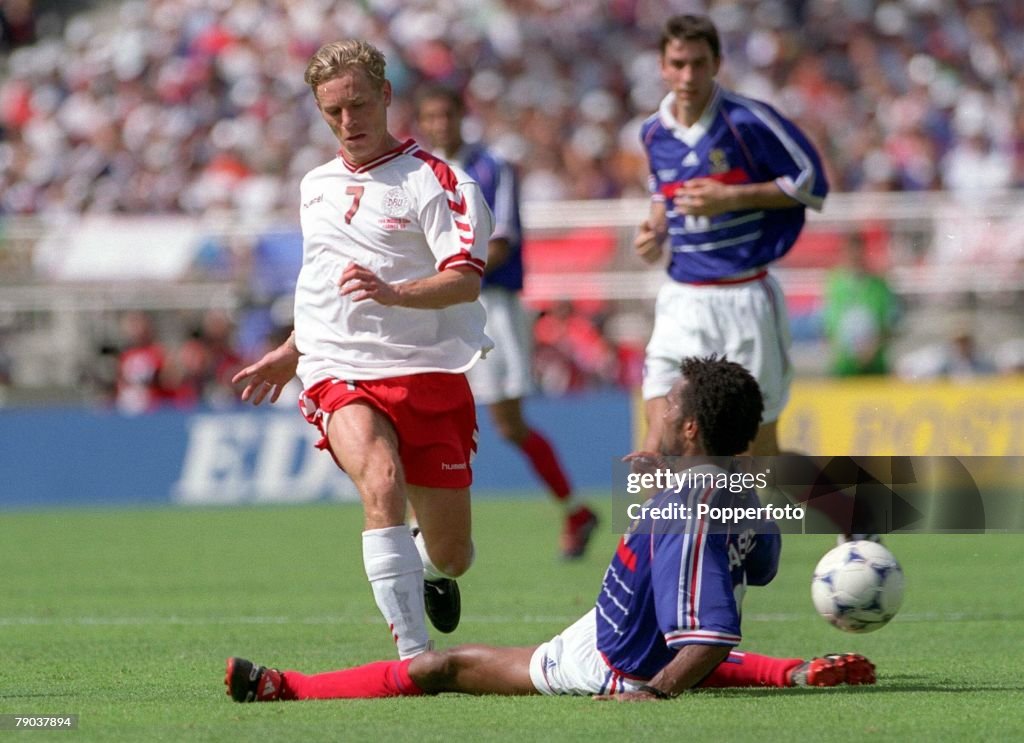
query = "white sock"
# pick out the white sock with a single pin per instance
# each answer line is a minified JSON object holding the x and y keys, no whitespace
{"x":430,"y":570}
{"x":396,"y":576}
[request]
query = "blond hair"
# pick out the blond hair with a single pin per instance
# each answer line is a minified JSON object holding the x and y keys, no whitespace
{"x":334,"y":58}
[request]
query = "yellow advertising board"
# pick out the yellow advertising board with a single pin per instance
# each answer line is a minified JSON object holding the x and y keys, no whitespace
{"x":885,"y":417}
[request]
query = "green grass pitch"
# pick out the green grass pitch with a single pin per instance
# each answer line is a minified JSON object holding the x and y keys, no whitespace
{"x":125,"y":618}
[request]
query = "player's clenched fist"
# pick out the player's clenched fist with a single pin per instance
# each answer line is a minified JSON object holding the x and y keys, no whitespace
{"x":702,"y":197}
{"x":647,"y":242}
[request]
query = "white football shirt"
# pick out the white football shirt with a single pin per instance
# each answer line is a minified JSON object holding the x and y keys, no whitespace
{"x":405,"y":215}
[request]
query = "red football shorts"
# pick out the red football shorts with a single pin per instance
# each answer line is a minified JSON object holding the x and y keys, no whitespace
{"x":433,"y":415}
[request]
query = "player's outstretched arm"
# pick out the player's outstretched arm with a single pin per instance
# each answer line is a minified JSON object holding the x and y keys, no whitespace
{"x":690,"y":666}
{"x":269,"y":375}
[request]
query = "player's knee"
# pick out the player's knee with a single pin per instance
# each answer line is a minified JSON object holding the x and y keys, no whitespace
{"x":455,"y":562}
{"x":434,"y":670}
{"x":514,"y":432}
{"x":509,"y":422}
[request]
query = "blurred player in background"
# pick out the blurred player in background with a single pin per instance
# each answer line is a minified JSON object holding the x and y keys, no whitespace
{"x":730,"y":180}
{"x":860,"y":312}
{"x":386,"y":323}
{"x":668,"y":615}
{"x":505,"y":376}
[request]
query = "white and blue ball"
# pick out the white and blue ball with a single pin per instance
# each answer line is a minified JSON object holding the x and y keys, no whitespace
{"x":858,"y":586}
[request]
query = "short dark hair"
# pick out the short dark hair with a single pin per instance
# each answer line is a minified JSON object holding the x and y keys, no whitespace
{"x":726,"y":401}
{"x":439,"y":92}
{"x":691,"y":28}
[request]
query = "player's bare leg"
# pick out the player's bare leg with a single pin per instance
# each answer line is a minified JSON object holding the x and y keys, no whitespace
{"x":445,"y":544}
{"x":444,"y":518}
{"x":580,"y":520}
{"x":475,"y":669}
{"x":654,"y":410}
{"x":508,"y":419}
{"x":366,"y":445}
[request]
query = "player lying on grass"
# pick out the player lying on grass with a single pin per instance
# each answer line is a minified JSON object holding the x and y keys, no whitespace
{"x":667,"y":618}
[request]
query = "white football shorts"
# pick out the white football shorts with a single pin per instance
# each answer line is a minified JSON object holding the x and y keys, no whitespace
{"x":747,"y":322}
{"x":570,"y":663}
{"x":505,"y":372}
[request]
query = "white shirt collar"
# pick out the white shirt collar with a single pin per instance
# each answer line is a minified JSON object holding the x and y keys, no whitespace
{"x":689,"y":135}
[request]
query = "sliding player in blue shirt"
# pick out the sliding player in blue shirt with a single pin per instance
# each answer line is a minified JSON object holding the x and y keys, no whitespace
{"x":730,"y":180}
{"x":668,"y":615}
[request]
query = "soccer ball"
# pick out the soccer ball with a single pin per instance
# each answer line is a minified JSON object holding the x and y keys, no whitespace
{"x":858,"y":586}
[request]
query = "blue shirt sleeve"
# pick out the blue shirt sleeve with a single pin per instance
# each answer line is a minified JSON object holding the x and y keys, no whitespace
{"x":783,"y":153}
{"x":762,"y":562}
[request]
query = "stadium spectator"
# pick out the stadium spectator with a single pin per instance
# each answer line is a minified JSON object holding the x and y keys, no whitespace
{"x":386,"y":323}
{"x":504,"y":377}
{"x":957,"y":358}
{"x":653,"y":632}
{"x":860,"y":312}
{"x":143,"y":383}
{"x":208,"y":360}
{"x":17,"y":24}
{"x":572,"y":352}
{"x":730,"y":180}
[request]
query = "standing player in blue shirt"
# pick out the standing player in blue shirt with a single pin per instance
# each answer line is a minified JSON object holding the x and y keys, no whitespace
{"x":668,"y":614}
{"x":730,"y":179}
{"x":504,"y":376}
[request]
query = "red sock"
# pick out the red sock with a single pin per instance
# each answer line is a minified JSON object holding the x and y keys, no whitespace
{"x":386,"y":678}
{"x":750,"y":669}
{"x":545,"y":463}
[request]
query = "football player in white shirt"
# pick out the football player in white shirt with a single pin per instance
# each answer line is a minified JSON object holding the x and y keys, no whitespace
{"x":387,"y":320}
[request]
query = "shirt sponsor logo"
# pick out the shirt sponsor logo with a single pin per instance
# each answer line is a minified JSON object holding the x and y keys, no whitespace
{"x":667,"y":174}
{"x":395,"y":202}
{"x":314,"y":200}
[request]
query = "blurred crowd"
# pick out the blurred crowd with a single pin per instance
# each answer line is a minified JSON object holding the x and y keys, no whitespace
{"x":143,"y":370}
{"x":182,"y":106}
{"x":198,"y":106}
{"x":142,"y":364}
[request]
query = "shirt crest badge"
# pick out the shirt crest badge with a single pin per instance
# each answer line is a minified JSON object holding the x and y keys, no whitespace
{"x":395,"y":202}
{"x":718,"y":161}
